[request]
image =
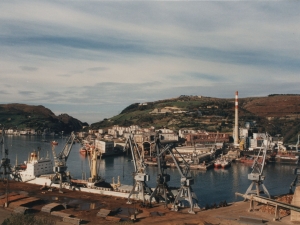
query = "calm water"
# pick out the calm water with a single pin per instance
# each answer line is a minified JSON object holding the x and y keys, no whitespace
{"x":212,"y":186}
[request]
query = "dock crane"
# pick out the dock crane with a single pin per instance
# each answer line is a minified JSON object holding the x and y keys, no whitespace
{"x":60,"y":160}
{"x":140,"y":176}
{"x":185,"y":191}
{"x":256,"y":176}
{"x":5,"y":167}
{"x":162,"y":192}
{"x":296,"y":172}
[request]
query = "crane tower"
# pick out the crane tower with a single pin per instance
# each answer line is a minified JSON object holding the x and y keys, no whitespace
{"x":256,"y":175}
{"x":140,"y":176}
{"x":60,"y":162}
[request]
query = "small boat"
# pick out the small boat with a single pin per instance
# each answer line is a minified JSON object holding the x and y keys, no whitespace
{"x":225,"y":163}
{"x":83,"y":151}
{"x":89,"y":148}
{"x":54,"y":143}
{"x":222,"y":162}
{"x":287,"y":157}
{"x":217,"y":163}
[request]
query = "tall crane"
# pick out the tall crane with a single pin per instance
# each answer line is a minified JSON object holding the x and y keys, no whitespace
{"x":296,"y":172}
{"x":162,"y":192}
{"x":140,"y":176}
{"x":185,"y":191}
{"x":5,"y":167}
{"x":60,"y":160}
{"x":256,"y":175}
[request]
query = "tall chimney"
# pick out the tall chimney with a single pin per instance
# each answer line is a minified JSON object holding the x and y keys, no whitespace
{"x":236,"y":123}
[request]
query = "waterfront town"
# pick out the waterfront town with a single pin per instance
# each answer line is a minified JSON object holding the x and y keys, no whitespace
{"x":185,"y":149}
{"x":191,"y":144}
{"x":111,"y":141}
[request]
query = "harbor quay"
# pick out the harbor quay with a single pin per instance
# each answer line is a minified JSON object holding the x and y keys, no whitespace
{"x":89,"y":208}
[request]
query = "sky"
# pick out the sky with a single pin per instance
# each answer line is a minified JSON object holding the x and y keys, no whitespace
{"x":91,"y":59}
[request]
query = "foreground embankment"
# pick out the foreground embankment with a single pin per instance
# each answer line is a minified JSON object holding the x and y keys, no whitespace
{"x":85,"y":207}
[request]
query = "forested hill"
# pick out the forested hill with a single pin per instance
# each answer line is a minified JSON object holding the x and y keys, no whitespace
{"x":22,"y":116}
{"x":275,"y":114}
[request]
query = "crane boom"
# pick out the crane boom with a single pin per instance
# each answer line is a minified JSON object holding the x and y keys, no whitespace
{"x":256,"y":176}
{"x":64,"y":154}
{"x":185,"y":192}
{"x":60,"y":160}
{"x":140,"y":177}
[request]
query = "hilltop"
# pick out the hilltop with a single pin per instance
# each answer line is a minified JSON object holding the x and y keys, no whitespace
{"x":22,"y":116}
{"x":275,"y":114}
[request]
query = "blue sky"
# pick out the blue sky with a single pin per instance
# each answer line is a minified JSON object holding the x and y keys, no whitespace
{"x":91,"y":59}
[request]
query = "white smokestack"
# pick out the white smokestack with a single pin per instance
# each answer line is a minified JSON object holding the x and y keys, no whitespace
{"x":236,"y":123}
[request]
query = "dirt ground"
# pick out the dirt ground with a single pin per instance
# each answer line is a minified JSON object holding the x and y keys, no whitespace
{"x":85,"y":206}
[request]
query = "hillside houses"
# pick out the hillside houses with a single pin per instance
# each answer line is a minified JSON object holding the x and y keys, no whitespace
{"x":174,"y":110}
{"x":206,"y":138}
{"x":26,"y":131}
{"x":146,"y":137}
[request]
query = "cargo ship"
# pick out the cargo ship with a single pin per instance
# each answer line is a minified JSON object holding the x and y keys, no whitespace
{"x":34,"y":167}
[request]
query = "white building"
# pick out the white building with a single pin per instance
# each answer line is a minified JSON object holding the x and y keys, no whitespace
{"x":105,"y":147}
{"x":243,"y":132}
{"x":10,"y":131}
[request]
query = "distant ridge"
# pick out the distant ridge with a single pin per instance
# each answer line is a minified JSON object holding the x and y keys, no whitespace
{"x":275,"y":114}
{"x":24,"y":116}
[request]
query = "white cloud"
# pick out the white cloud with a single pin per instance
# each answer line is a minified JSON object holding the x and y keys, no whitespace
{"x":85,"y":53}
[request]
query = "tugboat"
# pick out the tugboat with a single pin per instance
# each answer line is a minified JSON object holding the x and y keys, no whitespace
{"x":217,"y":163}
{"x":222,"y":162}
{"x":225,"y":163}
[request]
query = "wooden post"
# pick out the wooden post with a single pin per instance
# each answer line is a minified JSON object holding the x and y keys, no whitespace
{"x":277,"y":216}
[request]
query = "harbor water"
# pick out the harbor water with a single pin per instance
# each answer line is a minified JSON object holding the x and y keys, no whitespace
{"x":211,"y":186}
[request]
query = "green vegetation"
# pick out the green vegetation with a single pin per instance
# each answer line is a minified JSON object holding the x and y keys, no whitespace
{"x":21,"y":116}
{"x":214,"y":114}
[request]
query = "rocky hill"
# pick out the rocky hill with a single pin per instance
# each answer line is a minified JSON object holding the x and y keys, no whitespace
{"x":22,"y":116}
{"x":275,"y":114}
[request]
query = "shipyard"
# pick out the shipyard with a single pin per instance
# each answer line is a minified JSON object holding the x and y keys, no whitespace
{"x":149,"y":112}
{"x":44,"y":186}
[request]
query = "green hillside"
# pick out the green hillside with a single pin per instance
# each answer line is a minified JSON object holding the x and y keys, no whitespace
{"x":275,"y":114}
{"x":22,"y":116}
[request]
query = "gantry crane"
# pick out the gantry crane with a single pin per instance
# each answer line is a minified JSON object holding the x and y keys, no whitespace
{"x":256,"y":176}
{"x":162,"y":192}
{"x":60,"y":160}
{"x":5,"y":167}
{"x":140,"y":176}
{"x":296,"y":172}
{"x":185,"y":191}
